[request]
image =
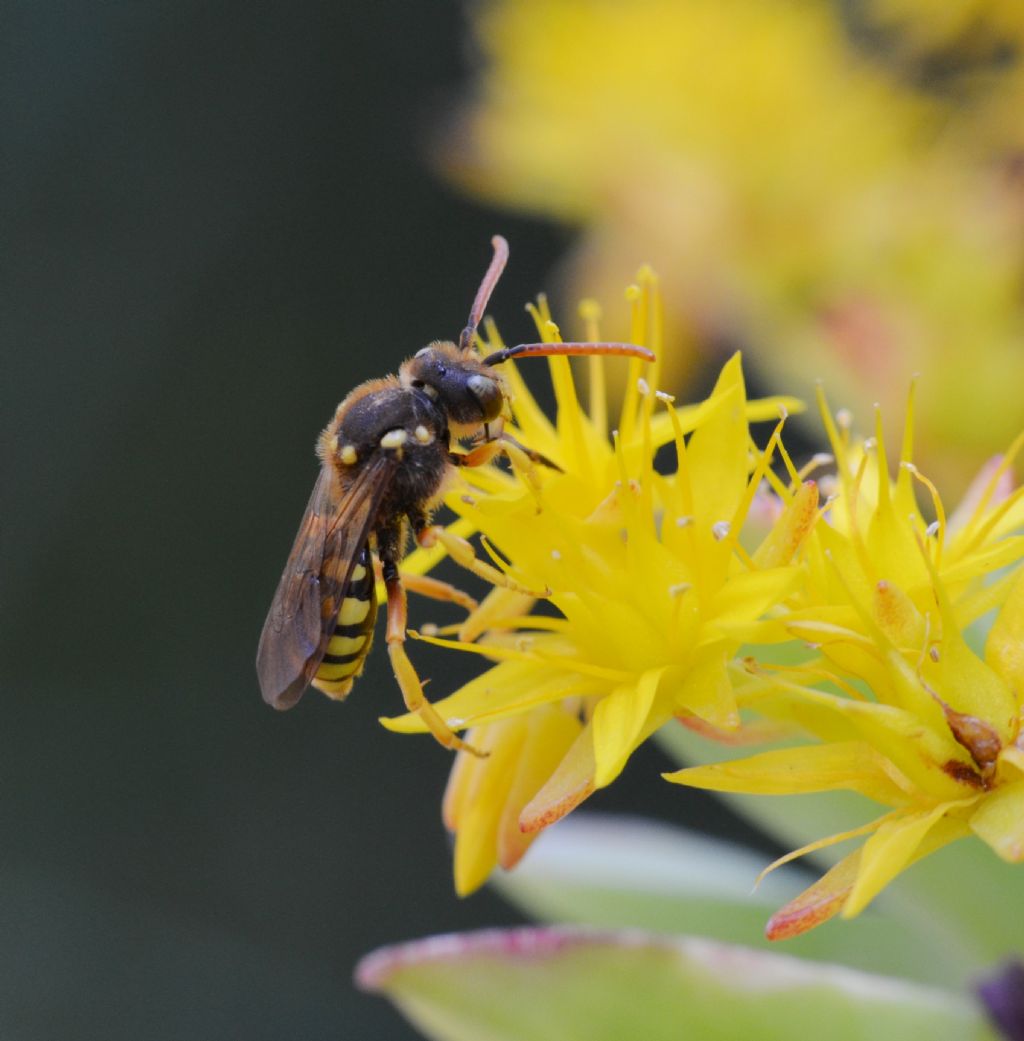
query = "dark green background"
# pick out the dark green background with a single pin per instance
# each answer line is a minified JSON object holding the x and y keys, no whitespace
{"x":216,"y":219}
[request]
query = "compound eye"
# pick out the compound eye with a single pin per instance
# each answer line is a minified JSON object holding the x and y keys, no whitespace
{"x":487,"y":394}
{"x":423,"y":352}
{"x":481,"y":386}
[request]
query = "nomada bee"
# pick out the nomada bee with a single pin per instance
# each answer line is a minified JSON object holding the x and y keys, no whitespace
{"x":385,"y":458}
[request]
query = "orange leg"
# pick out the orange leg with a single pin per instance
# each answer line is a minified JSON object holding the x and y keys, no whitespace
{"x":408,"y":681}
{"x":432,"y":588}
{"x":462,"y":553}
{"x":435,"y":589}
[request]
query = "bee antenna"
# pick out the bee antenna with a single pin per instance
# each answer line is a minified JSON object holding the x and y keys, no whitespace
{"x":546,"y":350}
{"x":483,"y":294}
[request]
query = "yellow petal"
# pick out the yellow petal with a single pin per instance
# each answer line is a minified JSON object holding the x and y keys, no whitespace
{"x":1004,"y":650}
{"x":893,"y":847}
{"x":816,"y":904}
{"x":852,"y":765}
{"x":476,"y":840}
{"x":748,"y":595}
{"x":508,"y":688}
{"x":787,"y":535}
{"x":568,"y":786}
{"x":618,"y":723}
{"x":704,"y":689}
{"x":999,"y":820}
{"x":717,"y":451}
{"x":552,"y":730}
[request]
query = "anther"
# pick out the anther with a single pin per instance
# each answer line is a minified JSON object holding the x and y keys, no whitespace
{"x":643,"y":386}
{"x":844,"y":419}
{"x":668,"y":399}
{"x":684,"y":521}
{"x":679,"y":588}
{"x":556,"y":555}
{"x":932,"y":529}
{"x":720,"y":529}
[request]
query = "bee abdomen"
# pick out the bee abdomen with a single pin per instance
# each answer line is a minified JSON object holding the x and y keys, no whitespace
{"x":352,"y":636}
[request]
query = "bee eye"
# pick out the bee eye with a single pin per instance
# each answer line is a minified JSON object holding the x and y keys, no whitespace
{"x":422,"y":351}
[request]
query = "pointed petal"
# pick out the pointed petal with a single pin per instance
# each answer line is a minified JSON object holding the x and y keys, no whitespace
{"x":786,"y":537}
{"x":476,"y":840}
{"x":568,"y":786}
{"x":704,"y":689}
{"x":818,"y":903}
{"x":893,"y":847}
{"x":618,"y":723}
{"x":506,"y":689}
{"x":1004,"y":650}
{"x":853,"y":765}
{"x":747,"y":596}
{"x":552,"y":731}
{"x":999,"y":820}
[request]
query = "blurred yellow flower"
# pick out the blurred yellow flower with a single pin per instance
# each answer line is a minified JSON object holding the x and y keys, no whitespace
{"x":804,"y":196}
{"x":903,"y":709}
{"x":646,"y":573}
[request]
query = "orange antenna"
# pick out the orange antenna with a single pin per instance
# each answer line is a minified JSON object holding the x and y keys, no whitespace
{"x":483,"y":294}
{"x":545,"y":350}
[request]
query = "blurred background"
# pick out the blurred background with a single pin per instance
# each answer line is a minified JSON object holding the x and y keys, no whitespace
{"x":219,"y":219}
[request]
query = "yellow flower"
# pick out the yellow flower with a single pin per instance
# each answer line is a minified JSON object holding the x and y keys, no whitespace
{"x":801,"y":195}
{"x":902,"y":708}
{"x":485,"y":797}
{"x":645,"y":571}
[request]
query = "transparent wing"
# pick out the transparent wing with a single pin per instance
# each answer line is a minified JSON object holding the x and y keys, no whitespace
{"x":333,"y":530}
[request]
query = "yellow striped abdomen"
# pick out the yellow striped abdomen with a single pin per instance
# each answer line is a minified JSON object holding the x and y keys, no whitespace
{"x":353,"y":632}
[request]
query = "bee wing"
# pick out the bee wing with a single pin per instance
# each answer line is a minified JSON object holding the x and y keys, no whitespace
{"x":334,"y":529}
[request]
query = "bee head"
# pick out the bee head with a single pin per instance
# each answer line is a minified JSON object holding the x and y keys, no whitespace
{"x":460,"y":383}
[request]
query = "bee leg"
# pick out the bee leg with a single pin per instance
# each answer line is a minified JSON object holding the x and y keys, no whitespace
{"x":478,"y":456}
{"x":534,"y":456}
{"x":435,"y":589}
{"x":432,"y":588}
{"x":524,"y":460}
{"x":462,"y":553}
{"x":408,"y":681}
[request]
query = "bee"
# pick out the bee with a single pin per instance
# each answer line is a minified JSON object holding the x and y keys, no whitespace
{"x":385,"y":459}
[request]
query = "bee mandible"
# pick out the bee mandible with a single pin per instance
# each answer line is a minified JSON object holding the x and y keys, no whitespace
{"x":385,"y":459}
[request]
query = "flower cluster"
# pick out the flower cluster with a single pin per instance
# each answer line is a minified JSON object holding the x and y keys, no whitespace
{"x":826,"y":179}
{"x":663,"y":585}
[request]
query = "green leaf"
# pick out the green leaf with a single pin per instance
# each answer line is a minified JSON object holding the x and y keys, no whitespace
{"x":571,"y":984}
{"x":623,"y":872}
